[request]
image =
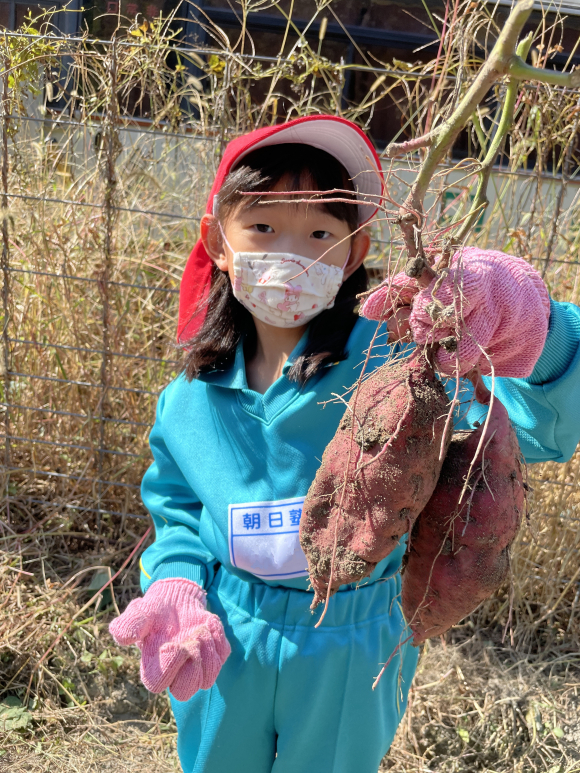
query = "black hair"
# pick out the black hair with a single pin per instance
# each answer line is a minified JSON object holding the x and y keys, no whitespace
{"x":226,"y":321}
{"x":303,"y":167}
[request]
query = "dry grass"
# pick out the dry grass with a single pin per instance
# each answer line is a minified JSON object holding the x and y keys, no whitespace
{"x":95,"y":747}
{"x":477,"y":706}
{"x":87,"y":710}
{"x":498,"y":697}
{"x":92,"y":302}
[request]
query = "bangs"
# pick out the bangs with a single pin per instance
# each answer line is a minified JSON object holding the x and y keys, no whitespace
{"x":300,"y":168}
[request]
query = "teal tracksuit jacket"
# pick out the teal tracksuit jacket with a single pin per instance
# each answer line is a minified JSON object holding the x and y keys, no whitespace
{"x":231,"y":470}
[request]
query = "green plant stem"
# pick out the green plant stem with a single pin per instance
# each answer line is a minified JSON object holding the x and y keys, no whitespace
{"x":496,"y":66}
{"x":482,"y":139}
{"x":522,"y":71}
{"x":481,"y":202}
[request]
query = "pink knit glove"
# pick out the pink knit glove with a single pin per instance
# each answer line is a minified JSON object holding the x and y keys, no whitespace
{"x":183,"y":646}
{"x":488,"y":301}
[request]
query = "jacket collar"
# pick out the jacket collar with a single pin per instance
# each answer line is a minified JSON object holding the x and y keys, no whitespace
{"x":235,"y":376}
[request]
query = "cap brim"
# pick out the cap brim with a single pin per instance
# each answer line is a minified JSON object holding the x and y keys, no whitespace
{"x":347,"y":144}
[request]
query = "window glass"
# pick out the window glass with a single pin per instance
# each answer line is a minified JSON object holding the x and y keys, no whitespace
{"x":390,"y":114}
{"x":25,"y":10}
{"x":387,"y":120}
{"x":12,"y":14}
{"x":5,"y":15}
{"x":103,"y":17}
{"x":289,"y":90}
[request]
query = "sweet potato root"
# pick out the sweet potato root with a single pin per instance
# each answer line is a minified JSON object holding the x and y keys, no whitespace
{"x":459,"y":551}
{"x":392,"y":455}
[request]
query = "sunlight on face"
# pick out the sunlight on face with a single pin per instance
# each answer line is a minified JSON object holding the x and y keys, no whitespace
{"x":303,"y":229}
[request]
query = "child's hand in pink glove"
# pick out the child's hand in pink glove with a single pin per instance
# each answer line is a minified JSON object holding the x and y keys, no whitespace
{"x":495,"y":305}
{"x":183,"y":646}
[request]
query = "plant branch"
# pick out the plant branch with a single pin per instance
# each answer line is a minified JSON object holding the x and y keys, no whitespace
{"x":563,"y":185}
{"x":395,"y":149}
{"x":496,"y":66}
{"x":481,"y":202}
{"x":522,"y":71}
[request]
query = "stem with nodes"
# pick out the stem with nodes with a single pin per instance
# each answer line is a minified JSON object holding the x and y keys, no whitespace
{"x":481,"y":202}
{"x":395,"y":149}
{"x":504,"y":60}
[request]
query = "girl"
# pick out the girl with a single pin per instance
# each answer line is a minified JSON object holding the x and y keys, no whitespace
{"x":271,"y":335}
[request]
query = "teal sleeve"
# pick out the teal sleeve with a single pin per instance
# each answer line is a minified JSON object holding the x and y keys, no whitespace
{"x":545,"y":407}
{"x":178,"y":550}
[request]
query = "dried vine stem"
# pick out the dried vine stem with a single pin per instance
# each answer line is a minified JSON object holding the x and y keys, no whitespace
{"x":395,"y":149}
{"x":566,"y":164}
{"x":5,"y":260}
{"x":505,"y":59}
{"x":110,"y":151}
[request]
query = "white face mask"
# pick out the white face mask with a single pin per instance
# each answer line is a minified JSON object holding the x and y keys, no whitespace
{"x":283,"y":289}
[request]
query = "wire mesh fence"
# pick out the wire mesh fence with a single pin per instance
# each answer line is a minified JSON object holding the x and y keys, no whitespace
{"x":97,"y":218}
{"x":91,"y":304}
{"x":103,"y":204}
{"x":106,"y":158}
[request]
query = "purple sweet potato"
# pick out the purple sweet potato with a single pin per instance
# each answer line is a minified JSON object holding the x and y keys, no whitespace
{"x":390,"y":462}
{"x":459,"y":550}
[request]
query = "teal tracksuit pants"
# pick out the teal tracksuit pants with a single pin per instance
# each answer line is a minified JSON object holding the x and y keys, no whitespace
{"x":292,"y":698}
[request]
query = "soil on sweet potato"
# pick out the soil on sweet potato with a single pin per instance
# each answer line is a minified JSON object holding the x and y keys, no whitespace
{"x":459,"y":546}
{"x":375,"y":478}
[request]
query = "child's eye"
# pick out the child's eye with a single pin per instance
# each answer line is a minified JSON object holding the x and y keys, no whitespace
{"x":263,"y":228}
{"x":320,"y":234}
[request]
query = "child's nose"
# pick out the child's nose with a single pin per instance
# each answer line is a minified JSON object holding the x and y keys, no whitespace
{"x":289,"y":242}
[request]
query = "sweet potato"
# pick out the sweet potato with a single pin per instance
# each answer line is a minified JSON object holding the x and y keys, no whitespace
{"x":392,"y":455}
{"x":459,"y":550}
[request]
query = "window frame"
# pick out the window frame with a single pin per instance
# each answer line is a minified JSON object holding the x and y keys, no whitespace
{"x":359,"y":34}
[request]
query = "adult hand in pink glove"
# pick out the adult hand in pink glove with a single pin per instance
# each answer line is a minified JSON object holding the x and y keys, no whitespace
{"x":183,"y":646}
{"x":496,"y":306}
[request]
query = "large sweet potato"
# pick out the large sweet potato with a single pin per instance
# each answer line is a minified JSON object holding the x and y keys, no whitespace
{"x":392,"y":453}
{"x":459,"y":551}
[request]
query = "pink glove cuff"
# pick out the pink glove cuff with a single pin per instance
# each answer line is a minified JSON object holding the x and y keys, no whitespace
{"x":178,"y":589}
{"x":174,"y":597}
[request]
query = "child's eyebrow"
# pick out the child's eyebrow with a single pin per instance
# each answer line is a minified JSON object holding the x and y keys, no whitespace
{"x":292,"y":202}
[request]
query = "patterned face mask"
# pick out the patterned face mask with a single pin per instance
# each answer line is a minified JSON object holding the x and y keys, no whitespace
{"x":284,"y":289}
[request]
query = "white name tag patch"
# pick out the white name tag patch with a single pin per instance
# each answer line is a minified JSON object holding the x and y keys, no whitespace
{"x":263,"y":538}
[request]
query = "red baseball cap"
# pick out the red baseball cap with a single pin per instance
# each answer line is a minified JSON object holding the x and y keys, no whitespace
{"x":337,"y":136}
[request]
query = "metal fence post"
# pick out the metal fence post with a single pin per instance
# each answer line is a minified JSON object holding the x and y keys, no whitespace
{"x":110,"y":149}
{"x":5,"y":113}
